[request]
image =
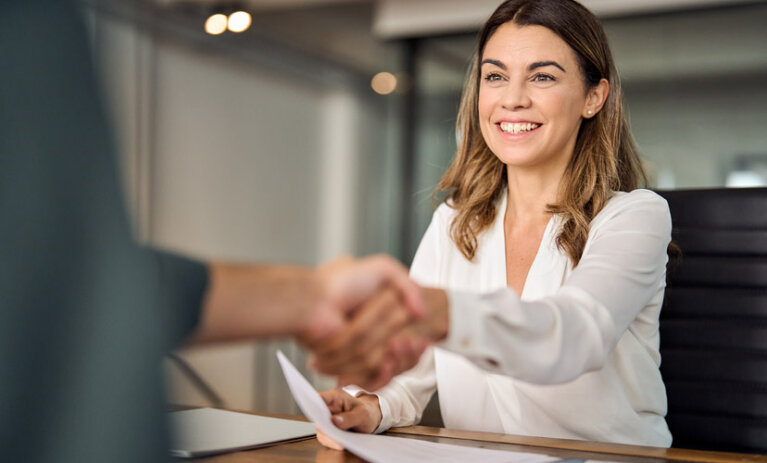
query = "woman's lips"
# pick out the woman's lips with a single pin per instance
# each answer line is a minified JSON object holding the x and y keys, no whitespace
{"x":517,"y":128}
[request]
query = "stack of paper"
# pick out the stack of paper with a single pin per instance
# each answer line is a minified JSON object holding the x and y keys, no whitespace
{"x":375,"y":448}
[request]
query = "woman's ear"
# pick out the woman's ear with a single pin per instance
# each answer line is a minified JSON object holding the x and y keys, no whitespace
{"x":595,"y":99}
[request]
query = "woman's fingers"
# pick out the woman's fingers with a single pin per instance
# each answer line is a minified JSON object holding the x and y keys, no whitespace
{"x":393,"y":318}
{"x":338,"y":401}
{"x":360,"y":418}
{"x":361,"y":346}
{"x":360,"y":324}
{"x":361,"y":414}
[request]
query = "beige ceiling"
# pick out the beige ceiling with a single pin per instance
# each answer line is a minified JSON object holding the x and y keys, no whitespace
{"x":266,"y":5}
{"x":407,"y":18}
{"x":357,"y":34}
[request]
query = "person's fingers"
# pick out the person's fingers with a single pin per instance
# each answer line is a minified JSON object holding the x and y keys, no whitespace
{"x":338,"y":400}
{"x":353,"y":348}
{"x":356,"y":419}
{"x":370,"y":329}
{"x":327,"y":441}
{"x":399,"y":277}
{"x":360,"y":323}
{"x":403,"y":354}
{"x":351,"y":284}
{"x":348,"y":412}
{"x":331,"y":399}
{"x":393,"y":317}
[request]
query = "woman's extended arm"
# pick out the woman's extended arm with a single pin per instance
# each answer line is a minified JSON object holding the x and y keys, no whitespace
{"x":557,"y":338}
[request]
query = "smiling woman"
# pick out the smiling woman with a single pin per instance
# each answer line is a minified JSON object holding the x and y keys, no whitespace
{"x":557,"y":37}
{"x":553,"y":259}
{"x":529,"y":108}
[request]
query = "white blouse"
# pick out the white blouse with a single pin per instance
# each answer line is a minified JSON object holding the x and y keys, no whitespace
{"x":576,"y":356}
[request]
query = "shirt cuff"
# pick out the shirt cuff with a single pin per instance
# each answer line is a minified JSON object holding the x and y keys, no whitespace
{"x":466,"y":335}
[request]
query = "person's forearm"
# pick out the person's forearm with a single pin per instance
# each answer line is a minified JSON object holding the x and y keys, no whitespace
{"x":323,"y":308}
{"x":246,"y":301}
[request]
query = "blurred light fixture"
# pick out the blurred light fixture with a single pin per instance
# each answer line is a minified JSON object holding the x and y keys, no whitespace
{"x":216,"y":24}
{"x":745,"y":179}
{"x":384,"y":83}
{"x":239,"y":21}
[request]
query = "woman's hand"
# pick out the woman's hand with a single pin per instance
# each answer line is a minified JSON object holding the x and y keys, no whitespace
{"x":361,"y":414}
{"x":373,"y":346}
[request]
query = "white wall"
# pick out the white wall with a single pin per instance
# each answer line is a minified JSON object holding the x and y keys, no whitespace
{"x":231,"y":160}
{"x":235,"y":175}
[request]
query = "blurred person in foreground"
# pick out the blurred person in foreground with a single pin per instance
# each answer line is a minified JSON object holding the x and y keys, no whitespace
{"x":554,"y":255}
{"x":87,"y":314}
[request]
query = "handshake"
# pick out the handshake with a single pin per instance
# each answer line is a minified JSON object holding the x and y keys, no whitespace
{"x":373,"y":322}
{"x":363,"y":320}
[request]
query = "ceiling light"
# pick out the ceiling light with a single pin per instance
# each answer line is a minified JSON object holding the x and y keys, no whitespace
{"x":239,"y":21}
{"x":216,"y":24}
{"x":384,"y":83}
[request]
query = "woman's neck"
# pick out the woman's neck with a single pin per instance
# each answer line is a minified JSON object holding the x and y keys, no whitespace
{"x":529,"y":193}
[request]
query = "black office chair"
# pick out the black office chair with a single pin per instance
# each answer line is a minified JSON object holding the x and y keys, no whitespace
{"x":714,"y":320}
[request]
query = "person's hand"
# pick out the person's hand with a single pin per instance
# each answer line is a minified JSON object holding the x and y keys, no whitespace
{"x":346,"y":284}
{"x":365,"y":304}
{"x":374,"y":346}
{"x":361,"y":414}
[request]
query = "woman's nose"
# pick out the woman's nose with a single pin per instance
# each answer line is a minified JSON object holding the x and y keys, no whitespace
{"x":516,"y":96}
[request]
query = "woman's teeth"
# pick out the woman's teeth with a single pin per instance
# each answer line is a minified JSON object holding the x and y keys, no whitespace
{"x":516,"y":127}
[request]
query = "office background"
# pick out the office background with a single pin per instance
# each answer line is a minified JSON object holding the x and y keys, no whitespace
{"x":270,"y":145}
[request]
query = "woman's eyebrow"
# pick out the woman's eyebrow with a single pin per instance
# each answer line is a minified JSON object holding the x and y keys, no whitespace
{"x":537,"y":64}
{"x":493,"y":62}
{"x":541,"y":64}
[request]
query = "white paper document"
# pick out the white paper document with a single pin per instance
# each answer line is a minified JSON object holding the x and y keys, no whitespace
{"x":379,"y":449}
{"x":207,"y":431}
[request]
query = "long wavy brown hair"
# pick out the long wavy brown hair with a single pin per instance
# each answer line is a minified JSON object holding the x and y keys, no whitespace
{"x":605,"y":158}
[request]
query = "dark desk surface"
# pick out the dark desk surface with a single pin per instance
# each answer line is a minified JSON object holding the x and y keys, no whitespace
{"x":311,"y":451}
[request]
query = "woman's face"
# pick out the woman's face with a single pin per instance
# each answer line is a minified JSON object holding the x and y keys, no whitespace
{"x":531,"y":97}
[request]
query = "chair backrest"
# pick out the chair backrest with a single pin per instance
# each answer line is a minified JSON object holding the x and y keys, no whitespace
{"x":714,"y":320}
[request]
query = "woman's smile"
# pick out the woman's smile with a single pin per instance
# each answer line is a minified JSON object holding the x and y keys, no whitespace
{"x":518,"y":128}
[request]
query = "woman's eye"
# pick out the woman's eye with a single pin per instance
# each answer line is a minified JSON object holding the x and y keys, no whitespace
{"x":543,"y":78}
{"x":493,"y":77}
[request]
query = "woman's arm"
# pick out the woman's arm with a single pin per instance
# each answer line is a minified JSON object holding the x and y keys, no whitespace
{"x":558,"y":338}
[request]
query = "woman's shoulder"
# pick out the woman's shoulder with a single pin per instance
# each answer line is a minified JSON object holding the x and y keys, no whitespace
{"x":625,"y":199}
{"x":445,"y":211}
{"x":642,"y":203}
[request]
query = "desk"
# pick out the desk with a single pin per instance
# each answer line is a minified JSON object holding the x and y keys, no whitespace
{"x":311,"y":451}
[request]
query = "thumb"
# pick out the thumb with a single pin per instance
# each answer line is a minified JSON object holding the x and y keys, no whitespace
{"x":353,"y":419}
{"x":395,"y":274}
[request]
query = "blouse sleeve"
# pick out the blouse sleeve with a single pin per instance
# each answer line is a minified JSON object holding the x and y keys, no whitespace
{"x":403,"y":400}
{"x":558,"y":338}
